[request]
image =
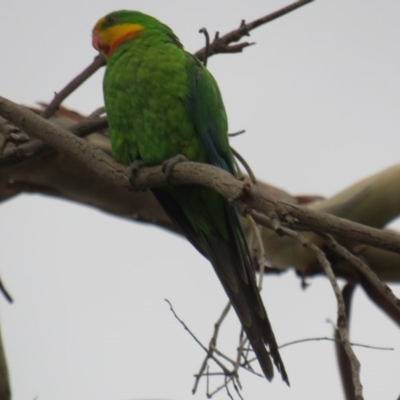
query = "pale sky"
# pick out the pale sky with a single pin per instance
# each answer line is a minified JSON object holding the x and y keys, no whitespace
{"x":319,"y":98}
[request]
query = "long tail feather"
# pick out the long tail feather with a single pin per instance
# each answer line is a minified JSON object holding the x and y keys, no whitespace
{"x":232,"y":263}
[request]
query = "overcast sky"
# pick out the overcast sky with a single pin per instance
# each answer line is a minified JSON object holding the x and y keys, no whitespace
{"x":319,"y":99}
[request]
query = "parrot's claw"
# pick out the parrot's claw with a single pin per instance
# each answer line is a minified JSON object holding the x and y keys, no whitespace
{"x":136,"y":166}
{"x":168,"y":165}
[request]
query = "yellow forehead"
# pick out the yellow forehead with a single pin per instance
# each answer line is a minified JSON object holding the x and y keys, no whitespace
{"x":115,"y":33}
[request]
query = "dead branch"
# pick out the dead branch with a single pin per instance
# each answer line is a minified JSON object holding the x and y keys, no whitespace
{"x":35,"y":147}
{"x":328,"y":339}
{"x":212,"y":347}
{"x":380,"y":287}
{"x":242,"y":193}
{"x":344,"y":363}
{"x":341,"y":318}
{"x":209,"y":354}
{"x":59,"y":97}
{"x":223,"y":44}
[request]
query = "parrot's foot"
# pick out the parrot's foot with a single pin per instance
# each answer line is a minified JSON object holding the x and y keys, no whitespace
{"x":168,"y":165}
{"x":136,"y":166}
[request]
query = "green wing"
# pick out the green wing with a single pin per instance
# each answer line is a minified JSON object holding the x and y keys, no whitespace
{"x":207,"y":114}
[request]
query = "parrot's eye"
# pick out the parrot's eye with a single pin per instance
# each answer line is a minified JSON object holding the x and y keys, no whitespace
{"x":110,"y":20}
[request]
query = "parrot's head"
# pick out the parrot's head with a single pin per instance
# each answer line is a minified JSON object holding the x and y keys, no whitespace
{"x":119,"y":26}
{"x":115,"y":28}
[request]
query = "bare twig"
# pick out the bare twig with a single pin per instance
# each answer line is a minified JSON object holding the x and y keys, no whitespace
{"x":207,"y":36}
{"x":328,"y":339}
{"x":344,"y":363}
{"x":5,"y":292}
{"x":233,"y":134}
{"x":242,"y":352}
{"x":97,"y":63}
{"x":245,"y":165}
{"x":98,"y":112}
{"x":219,"y":388}
{"x":237,"y":390}
{"x":212,"y":346}
{"x":276,"y":14}
{"x":229,"y":375}
{"x":223,"y":44}
{"x":222,"y":366}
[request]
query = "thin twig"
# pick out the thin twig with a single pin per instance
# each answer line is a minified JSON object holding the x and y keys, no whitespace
{"x":97,"y":113}
{"x":208,"y":380}
{"x":318,"y":339}
{"x":276,"y":14}
{"x":207,"y":46}
{"x":237,"y":388}
{"x":5,"y":292}
{"x":222,"y":366}
{"x":242,"y":352}
{"x":212,"y":346}
{"x":227,"y":380}
{"x":245,"y":165}
{"x":343,"y":362}
{"x":97,"y":63}
{"x":245,"y":345}
{"x":233,"y":134}
{"x":219,"y":388}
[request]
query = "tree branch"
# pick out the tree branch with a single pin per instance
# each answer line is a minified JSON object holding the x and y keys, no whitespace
{"x":59,"y":97}
{"x":223,"y":44}
{"x":35,"y":147}
{"x":242,"y":193}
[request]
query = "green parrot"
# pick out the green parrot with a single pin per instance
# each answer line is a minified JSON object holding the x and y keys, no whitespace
{"x":162,"y":102}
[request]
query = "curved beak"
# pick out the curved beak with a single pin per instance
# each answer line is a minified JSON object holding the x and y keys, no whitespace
{"x":96,"y":40}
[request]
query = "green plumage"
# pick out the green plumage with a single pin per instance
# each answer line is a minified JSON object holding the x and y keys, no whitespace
{"x":161,"y":102}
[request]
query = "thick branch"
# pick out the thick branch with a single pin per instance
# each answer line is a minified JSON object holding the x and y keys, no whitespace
{"x":194,"y":173}
{"x":35,"y":147}
{"x":60,"y":139}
